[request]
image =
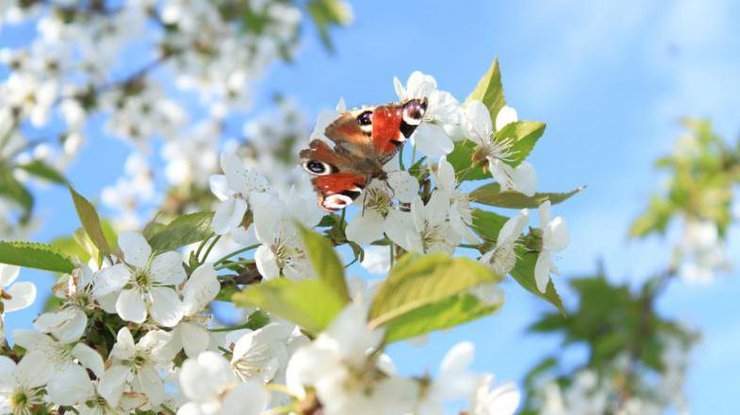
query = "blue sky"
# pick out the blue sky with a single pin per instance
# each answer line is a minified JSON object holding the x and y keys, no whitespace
{"x":609,"y":78}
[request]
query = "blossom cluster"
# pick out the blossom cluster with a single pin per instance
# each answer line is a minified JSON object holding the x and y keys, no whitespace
{"x":194,"y":66}
{"x":136,"y":327}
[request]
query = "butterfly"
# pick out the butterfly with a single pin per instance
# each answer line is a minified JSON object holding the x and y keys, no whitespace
{"x":364,"y":140}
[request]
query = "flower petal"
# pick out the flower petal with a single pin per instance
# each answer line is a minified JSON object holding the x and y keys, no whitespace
{"x":166,"y":306}
{"x":249,"y":398}
{"x":89,"y":358}
{"x":200,"y":289}
{"x":8,"y":274}
{"x":167,"y":268}
{"x":366,"y":227}
{"x":228,"y":215}
{"x":111,"y":279}
{"x":524,"y":178}
{"x":70,"y":386}
{"x":404,"y":186}
{"x":148,"y":382}
{"x":513,"y":228}
{"x":67,"y":324}
{"x":195,"y":338}
{"x":130,"y":306}
{"x":445,"y":175}
{"x":506,"y":115}
{"x":124,"y":349}
{"x":478,"y":122}
{"x":432,"y":140}
{"x":22,"y":295}
{"x":266,"y":262}
{"x":219,"y":186}
{"x":555,"y":236}
{"x":136,"y":249}
{"x":542,"y":270}
{"x":377,"y":259}
{"x":112,"y":383}
{"x":35,"y":369}
{"x":458,"y":359}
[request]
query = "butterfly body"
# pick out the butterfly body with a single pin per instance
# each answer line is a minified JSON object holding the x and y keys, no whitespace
{"x":363,"y":141}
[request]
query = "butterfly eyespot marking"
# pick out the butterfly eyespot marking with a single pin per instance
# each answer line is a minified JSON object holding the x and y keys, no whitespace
{"x":413,"y":111}
{"x":337,"y":201}
{"x":317,"y":168}
{"x":365,"y":120}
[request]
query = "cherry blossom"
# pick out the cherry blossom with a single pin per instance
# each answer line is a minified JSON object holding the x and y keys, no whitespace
{"x":235,"y":189}
{"x":554,"y":239}
{"x":145,"y":282}
{"x":133,"y":367}
{"x":339,"y":365}
{"x":442,"y":110}
{"x":212,"y":388}
{"x":498,"y":153}
{"x":502,"y":257}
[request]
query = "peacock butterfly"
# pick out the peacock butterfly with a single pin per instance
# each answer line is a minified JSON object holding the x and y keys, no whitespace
{"x":364,"y":140}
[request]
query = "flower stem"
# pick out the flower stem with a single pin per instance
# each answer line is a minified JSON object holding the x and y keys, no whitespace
{"x":210,"y":247}
{"x":237,"y":252}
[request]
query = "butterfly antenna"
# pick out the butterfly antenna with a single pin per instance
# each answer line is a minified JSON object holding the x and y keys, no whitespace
{"x":393,"y":191}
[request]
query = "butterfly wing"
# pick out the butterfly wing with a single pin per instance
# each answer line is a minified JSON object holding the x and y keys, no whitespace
{"x":338,"y":177}
{"x":377,"y":133}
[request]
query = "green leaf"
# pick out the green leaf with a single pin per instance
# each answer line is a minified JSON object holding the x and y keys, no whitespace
{"x":69,"y":246}
{"x":184,"y":230}
{"x":449,"y":312}
{"x":44,"y":171}
{"x":419,"y":282}
{"x":491,"y":194}
{"x":524,"y":135}
{"x":34,"y":255}
{"x":488,"y":224}
{"x":90,"y":221}
{"x":325,"y":262}
{"x":328,"y":13}
{"x":489,"y":90}
{"x":461,"y":160}
{"x":12,"y":189}
{"x":311,"y":303}
{"x":523,"y":273}
{"x":654,"y":220}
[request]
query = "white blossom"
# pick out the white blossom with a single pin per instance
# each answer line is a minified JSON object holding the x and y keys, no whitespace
{"x":442,"y":110}
{"x":453,"y":381}
{"x":57,"y":366}
{"x":498,"y":153}
{"x":461,"y":213}
{"x":191,"y":333}
{"x":235,"y":189}
{"x":133,"y":367}
{"x":339,"y":365}
{"x":379,"y":203}
{"x":145,"y":282}
{"x":212,"y":388}
{"x":502,"y":257}
{"x":20,"y":387}
{"x":554,"y":239}
{"x":501,"y":400}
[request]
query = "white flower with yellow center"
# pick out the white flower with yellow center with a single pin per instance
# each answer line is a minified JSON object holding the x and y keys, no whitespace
{"x":21,"y":391}
{"x":498,"y":153}
{"x":133,"y":367}
{"x":146,"y":282}
{"x":502,"y":257}
{"x":61,"y":366}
